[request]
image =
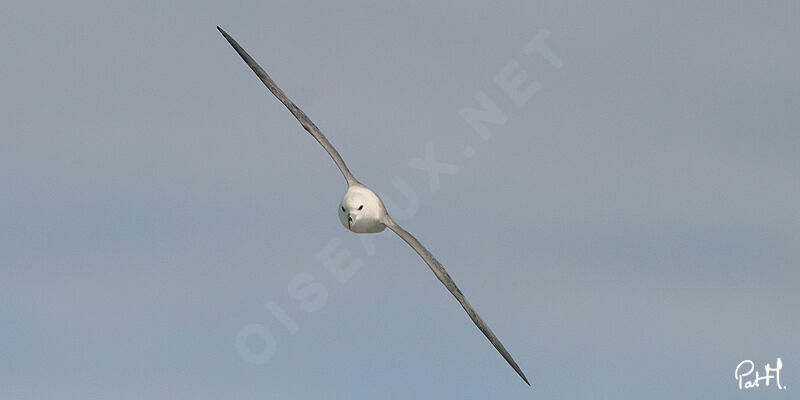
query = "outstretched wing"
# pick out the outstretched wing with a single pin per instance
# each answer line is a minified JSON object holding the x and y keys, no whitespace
{"x":445,"y":278}
{"x":296,"y":111}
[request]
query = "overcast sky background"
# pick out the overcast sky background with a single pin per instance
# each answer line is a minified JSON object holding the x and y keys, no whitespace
{"x":629,"y":232}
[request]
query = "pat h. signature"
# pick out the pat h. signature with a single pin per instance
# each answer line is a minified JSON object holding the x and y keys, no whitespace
{"x":744,"y":375}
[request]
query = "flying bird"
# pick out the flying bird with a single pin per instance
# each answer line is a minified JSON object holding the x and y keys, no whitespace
{"x":362,"y":211}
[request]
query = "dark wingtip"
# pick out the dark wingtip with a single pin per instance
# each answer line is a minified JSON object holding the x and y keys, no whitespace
{"x":520,"y":373}
{"x":224,"y":34}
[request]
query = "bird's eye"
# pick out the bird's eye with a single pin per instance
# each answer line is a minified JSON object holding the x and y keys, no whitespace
{"x":342,"y":208}
{"x":361,"y":207}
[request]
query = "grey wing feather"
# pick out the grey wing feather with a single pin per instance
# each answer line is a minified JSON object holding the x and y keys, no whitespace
{"x":445,"y":278}
{"x":296,"y":111}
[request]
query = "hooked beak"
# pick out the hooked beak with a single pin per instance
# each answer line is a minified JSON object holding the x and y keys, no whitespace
{"x":350,"y":222}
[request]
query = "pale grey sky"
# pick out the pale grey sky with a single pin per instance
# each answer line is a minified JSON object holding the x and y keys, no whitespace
{"x":630,"y":231}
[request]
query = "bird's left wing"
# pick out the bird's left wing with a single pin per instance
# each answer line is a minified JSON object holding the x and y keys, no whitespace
{"x":296,"y":111}
{"x":445,"y":278}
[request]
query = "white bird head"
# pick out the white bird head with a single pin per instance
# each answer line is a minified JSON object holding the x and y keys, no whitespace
{"x":361,"y":210}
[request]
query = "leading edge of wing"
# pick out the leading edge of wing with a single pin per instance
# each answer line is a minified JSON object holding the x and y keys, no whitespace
{"x":306,"y":122}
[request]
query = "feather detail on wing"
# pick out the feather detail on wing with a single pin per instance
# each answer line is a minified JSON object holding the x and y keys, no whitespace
{"x":296,"y":111}
{"x":448,"y":282}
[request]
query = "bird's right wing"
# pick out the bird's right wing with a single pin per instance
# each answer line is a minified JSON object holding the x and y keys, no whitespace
{"x":296,"y":111}
{"x":445,"y":278}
